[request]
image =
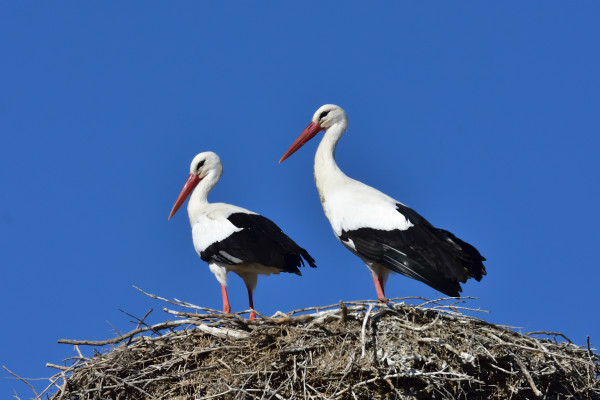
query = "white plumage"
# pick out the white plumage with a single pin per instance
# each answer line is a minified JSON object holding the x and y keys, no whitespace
{"x":345,"y":209}
{"x":387,"y":235}
{"x":231,"y":238}
{"x":210,"y":224}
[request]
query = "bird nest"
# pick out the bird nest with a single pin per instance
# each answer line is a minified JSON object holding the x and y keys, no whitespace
{"x":351,"y":350}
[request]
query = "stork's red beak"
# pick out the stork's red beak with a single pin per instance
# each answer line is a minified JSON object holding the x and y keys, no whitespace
{"x":190,"y":184}
{"x":311,"y":130}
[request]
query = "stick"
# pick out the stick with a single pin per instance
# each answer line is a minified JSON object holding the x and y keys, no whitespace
{"x":223,"y":332}
{"x":21,"y":379}
{"x":364,"y":330}
{"x":549,"y":334}
{"x":176,"y":302}
{"x":49,"y":365}
{"x":527,"y":376}
{"x":127,"y":335}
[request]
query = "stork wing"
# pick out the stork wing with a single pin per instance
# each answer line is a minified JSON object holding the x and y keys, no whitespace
{"x":260,"y":241}
{"x":422,"y":252}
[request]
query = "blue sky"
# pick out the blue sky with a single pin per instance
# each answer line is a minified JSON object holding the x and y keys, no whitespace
{"x":481,"y":116}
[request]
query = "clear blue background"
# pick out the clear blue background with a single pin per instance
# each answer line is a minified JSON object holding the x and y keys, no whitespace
{"x":483,"y":117}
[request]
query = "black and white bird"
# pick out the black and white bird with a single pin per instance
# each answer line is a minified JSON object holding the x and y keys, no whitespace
{"x":387,"y":235}
{"x":231,"y":238}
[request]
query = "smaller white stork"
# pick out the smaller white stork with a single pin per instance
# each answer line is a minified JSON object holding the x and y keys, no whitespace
{"x":387,"y":235}
{"x":231,"y":238}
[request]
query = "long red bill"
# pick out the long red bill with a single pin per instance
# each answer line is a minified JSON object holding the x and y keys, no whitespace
{"x":190,"y":184}
{"x":311,"y":130}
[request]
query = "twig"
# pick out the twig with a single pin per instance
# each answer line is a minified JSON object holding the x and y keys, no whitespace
{"x":223,"y":332}
{"x":344,"y":312}
{"x":140,"y":322}
{"x":300,"y":349}
{"x":199,"y":317}
{"x":49,"y":365}
{"x":124,"y":382}
{"x":455,"y":377}
{"x":364,"y":330}
{"x":536,"y":391}
{"x":216,"y":395}
{"x":21,"y":379}
{"x":550,"y":334}
{"x":79,"y":352}
{"x":176,"y":302}
{"x":127,"y":335}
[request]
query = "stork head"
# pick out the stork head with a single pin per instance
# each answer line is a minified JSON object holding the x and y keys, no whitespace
{"x":328,"y":115}
{"x":204,"y":164}
{"x":323,"y":119}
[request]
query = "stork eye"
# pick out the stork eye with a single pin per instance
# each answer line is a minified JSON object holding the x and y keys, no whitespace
{"x":323,"y":115}
{"x":200,"y":165}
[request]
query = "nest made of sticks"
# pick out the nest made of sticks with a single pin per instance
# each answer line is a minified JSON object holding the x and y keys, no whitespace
{"x":352,"y":350}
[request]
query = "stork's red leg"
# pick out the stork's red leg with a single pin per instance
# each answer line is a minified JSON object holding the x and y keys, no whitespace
{"x":378,"y":287}
{"x":252,"y":315}
{"x":226,"y":306}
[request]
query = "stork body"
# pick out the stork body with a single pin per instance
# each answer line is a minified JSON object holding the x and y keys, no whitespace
{"x":231,"y":238}
{"x":387,"y":235}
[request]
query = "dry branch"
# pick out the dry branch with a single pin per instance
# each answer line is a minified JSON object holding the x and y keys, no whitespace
{"x":134,"y":332}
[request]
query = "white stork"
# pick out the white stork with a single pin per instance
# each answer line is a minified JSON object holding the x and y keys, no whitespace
{"x":231,"y":238}
{"x":384,"y":233}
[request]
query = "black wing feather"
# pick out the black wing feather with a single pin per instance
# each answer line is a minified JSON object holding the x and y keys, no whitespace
{"x":422,"y":252}
{"x":260,"y":241}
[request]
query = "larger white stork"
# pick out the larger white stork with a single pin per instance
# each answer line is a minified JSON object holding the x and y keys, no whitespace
{"x":231,"y":238}
{"x":384,"y":233}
